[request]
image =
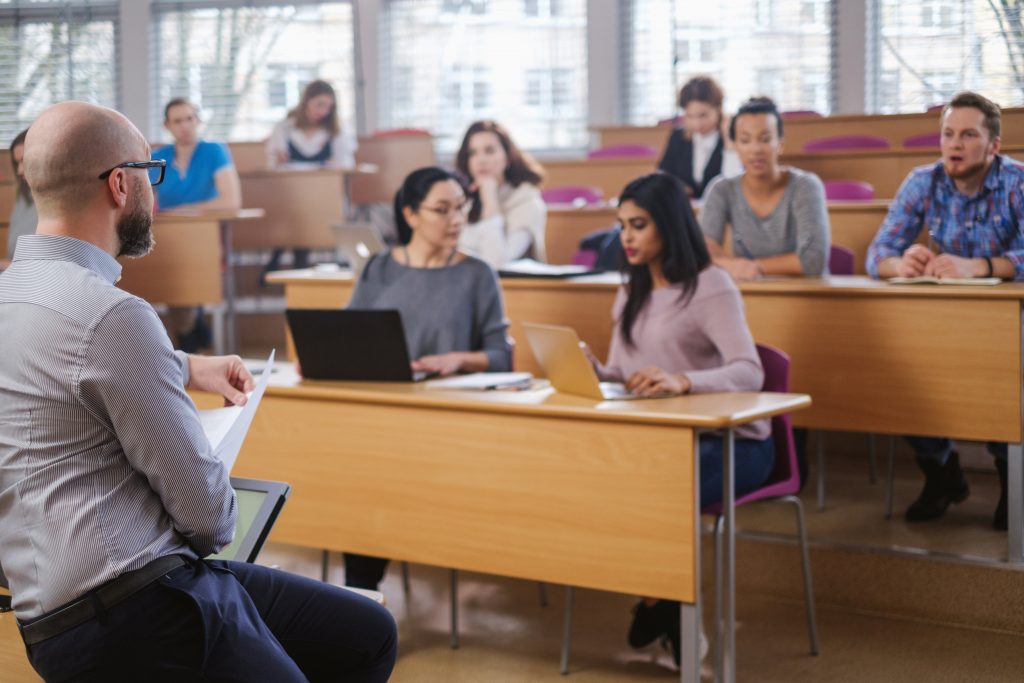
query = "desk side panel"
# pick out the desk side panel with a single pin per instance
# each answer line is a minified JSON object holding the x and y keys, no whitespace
{"x":566,"y":501}
{"x":899,"y":365}
{"x":184,"y":268}
{"x":300,"y":210}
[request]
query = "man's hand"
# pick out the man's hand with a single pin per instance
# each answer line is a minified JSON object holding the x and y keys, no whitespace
{"x":947,"y":265}
{"x":651,"y":381}
{"x":741,"y":269}
{"x":224,"y":375}
{"x":443,"y":364}
{"x":915,"y":261}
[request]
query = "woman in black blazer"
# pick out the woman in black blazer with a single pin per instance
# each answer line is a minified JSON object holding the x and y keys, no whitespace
{"x":697,"y":152}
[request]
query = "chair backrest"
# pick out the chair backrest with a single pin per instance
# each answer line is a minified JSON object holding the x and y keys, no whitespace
{"x":673,"y":121}
{"x":923,"y":140}
{"x":400,"y":132}
{"x":848,"y":190}
{"x":938,"y":106}
{"x":800,"y":114}
{"x":841,"y":261}
{"x":776,"y":379}
{"x":573,"y":194}
{"x":630,"y":150}
{"x":845,"y":142}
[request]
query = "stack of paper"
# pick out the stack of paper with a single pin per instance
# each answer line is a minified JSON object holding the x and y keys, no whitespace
{"x":226,"y":427}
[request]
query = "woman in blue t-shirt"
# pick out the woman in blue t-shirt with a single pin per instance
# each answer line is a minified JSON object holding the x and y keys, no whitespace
{"x":199,"y":175}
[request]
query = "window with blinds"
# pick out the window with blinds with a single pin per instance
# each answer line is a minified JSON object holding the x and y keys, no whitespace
{"x":780,"y":48}
{"x":922,"y":52}
{"x":245,"y":64}
{"x":55,"y":51}
{"x":447,"y":63}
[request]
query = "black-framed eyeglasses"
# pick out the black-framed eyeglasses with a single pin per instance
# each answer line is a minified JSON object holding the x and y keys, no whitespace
{"x":154,"y":168}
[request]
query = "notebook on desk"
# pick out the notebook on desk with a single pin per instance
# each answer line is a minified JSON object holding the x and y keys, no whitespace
{"x":367,"y":345}
{"x":931,"y":280}
{"x":558,"y":352}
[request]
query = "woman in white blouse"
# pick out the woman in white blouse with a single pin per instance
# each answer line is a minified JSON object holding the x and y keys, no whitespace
{"x":312,"y":133}
{"x":507,"y":216}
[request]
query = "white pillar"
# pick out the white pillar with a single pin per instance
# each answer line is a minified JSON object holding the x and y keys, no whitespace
{"x":851,"y":44}
{"x":135,"y":59}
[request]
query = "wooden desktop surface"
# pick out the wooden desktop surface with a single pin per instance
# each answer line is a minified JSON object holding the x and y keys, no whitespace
{"x":853,"y":226}
{"x":534,"y":484}
{"x":929,"y":360}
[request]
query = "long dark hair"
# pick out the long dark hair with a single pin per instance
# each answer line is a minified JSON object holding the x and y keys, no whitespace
{"x":684,"y":254}
{"x":23,"y":191}
{"x":413,"y":191}
{"x":330,"y":122}
{"x":522,"y":168}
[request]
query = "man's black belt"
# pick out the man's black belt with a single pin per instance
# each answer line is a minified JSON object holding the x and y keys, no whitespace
{"x":93,"y":603}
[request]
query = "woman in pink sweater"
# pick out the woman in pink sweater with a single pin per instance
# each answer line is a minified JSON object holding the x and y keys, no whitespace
{"x":680,"y":329}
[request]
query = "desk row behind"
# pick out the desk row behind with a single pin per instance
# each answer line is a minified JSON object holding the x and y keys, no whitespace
{"x":876,"y":357}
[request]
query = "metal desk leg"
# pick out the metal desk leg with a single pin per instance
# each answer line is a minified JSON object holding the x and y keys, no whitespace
{"x":1015,"y":501}
{"x":228,"y":283}
{"x":690,"y":615}
{"x":729,"y":555}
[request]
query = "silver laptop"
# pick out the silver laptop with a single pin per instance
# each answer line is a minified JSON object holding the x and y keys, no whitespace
{"x":558,"y":351}
{"x":358,"y":242}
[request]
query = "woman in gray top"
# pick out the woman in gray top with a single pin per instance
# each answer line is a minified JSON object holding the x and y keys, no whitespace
{"x":450,"y":302}
{"x":23,"y":213}
{"x":778,"y":215}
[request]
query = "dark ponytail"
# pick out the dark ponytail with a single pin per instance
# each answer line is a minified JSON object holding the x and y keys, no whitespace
{"x":414,"y":190}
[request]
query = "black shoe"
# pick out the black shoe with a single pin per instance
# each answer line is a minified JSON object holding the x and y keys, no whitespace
{"x":651,"y":622}
{"x":943,"y":485}
{"x":999,"y":519}
{"x":201,"y":330}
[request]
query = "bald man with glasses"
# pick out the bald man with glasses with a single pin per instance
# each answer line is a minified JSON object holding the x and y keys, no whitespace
{"x":110,"y":495}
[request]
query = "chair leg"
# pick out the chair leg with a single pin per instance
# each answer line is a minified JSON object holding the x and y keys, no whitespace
{"x":325,"y":565}
{"x":821,"y":471}
{"x":566,"y":631}
{"x":719,"y":624}
{"x":405,"y":579}
{"x":805,"y":560}
{"x":542,"y":593}
{"x":453,"y":575}
{"x":890,"y":478}
{"x":872,"y":464}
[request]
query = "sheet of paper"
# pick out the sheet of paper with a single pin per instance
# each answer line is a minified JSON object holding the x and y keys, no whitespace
{"x":531,"y":268}
{"x":930,"y":280}
{"x":226,"y":427}
{"x":482,"y":381}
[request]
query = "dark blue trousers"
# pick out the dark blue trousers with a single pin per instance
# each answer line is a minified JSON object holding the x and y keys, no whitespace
{"x":227,"y":621}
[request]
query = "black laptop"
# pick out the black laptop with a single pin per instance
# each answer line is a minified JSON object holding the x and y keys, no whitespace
{"x":359,"y":345}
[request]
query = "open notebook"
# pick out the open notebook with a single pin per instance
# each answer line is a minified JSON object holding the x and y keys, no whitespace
{"x":931,"y":280}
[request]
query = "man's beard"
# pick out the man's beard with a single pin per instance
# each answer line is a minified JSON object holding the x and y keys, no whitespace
{"x":966,"y":172}
{"x":134,"y":230}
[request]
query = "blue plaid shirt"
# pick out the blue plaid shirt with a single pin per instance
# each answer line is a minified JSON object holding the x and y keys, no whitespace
{"x":985,"y":224}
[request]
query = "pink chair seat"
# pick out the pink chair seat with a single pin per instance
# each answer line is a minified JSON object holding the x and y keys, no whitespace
{"x":401,"y":132}
{"x":631,"y":150}
{"x":923,"y":140}
{"x":573,"y":194}
{"x":843,"y":142}
{"x":848,"y":190}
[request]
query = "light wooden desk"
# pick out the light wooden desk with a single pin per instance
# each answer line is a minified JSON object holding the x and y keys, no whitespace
{"x":191,"y":265}
{"x":956,"y":371}
{"x":536,"y":485}
{"x":853,"y":224}
{"x":611,"y":175}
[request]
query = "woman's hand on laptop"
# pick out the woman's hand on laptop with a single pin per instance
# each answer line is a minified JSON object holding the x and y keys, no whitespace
{"x":652,"y":380}
{"x":443,"y":364}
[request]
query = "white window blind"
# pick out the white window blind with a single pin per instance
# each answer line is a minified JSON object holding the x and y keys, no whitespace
{"x":55,"y":51}
{"x":447,"y":63}
{"x":922,"y":52}
{"x":245,"y":63}
{"x":780,"y":48}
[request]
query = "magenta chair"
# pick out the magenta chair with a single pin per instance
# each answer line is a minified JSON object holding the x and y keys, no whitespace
{"x":848,"y":190}
{"x":573,"y":194}
{"x":841,"y":261}
{"x":846,"y":142}
{"x":800,"y":114}
{"x":674,"y":121}
{"x":923,"y":140}
{"x":585,"y":257}
{"x":623,"y":151}
{"x":783,"y":485}
{"x":400,"y":132}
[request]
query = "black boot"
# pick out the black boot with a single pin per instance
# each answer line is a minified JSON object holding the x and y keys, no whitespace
{"x":999,"y":519}
{"x":943,"y":484}
{"x":652,"y":621}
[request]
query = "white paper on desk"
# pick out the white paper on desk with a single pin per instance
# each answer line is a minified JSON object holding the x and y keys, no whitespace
{"x":482,"y":381}
{"x":226,"y":427}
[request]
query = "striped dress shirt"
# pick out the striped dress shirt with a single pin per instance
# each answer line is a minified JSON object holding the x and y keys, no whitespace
{"x":104,"y":465}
